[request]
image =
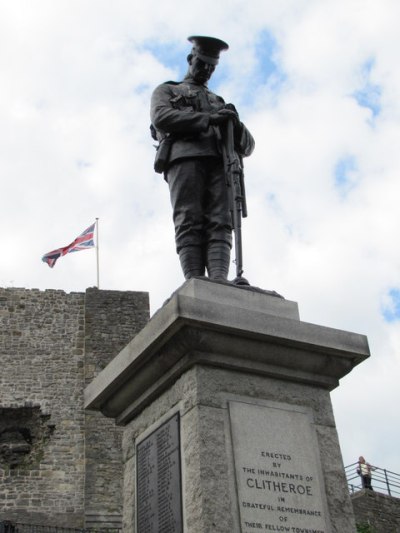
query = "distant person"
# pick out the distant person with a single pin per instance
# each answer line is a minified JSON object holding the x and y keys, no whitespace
{"x":364,"y":470}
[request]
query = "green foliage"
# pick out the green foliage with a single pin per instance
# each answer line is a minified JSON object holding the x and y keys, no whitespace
{"x":365,"y":528}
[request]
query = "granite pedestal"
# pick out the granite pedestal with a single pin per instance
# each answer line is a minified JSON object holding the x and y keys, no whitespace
{"x":225,"y":397}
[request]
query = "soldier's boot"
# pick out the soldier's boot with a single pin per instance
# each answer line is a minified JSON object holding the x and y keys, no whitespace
{"x":218,"y":259}
{"x":192,"y":261}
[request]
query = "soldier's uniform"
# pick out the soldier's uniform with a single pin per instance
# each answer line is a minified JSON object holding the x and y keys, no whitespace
{"x":195,"y":173}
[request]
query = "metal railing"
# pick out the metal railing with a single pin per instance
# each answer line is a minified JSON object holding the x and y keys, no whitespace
{"x":383,"y":481}
{"x":16,"y":527}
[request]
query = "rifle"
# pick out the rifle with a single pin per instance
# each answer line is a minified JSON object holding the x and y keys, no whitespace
{"x":237,"y":196}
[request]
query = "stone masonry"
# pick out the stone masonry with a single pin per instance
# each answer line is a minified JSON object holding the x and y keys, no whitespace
{"x":378,"y":511}
{"x":60,"y":465}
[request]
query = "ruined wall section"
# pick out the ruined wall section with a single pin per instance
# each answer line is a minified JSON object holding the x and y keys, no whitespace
{"x":42,"y":462}
{"x":112,"y":319}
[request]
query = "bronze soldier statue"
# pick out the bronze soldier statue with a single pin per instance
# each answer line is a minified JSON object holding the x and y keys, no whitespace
{"x":188,"y":120}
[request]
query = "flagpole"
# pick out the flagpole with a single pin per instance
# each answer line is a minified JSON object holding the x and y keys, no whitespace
{"x":97,"y":252}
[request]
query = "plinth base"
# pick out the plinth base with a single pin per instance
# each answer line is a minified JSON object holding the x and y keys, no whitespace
{"x":229,"y":424}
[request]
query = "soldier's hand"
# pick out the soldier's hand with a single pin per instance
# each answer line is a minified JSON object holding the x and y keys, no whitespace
{"x":231,"y":107}
{"x":222,"y":116}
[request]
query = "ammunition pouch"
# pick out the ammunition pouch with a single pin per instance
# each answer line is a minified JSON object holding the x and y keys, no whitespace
{"x":162,"y":154}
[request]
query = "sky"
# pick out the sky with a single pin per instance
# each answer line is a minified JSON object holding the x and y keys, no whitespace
{"x":316,"y":82}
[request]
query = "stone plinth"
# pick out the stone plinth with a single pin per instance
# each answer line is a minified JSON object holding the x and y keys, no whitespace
{"x":229,"y":424}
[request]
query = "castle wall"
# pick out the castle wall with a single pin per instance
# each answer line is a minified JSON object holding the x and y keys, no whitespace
{"x":59,"y":465}
{"x":379,"y":511}
{"x":112,"y":319}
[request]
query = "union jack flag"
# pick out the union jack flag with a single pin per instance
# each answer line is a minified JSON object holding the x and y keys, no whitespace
{"x":83,"y":242}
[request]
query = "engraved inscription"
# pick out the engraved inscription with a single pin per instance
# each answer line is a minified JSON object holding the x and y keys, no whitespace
{"x":158,"y":480}
{"x":277,"y":470}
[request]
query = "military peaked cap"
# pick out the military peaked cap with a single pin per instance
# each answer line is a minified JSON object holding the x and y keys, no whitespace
{"x":207,"y":48}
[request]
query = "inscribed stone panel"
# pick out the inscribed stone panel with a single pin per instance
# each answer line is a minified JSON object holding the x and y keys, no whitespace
{"x":277,"y":468}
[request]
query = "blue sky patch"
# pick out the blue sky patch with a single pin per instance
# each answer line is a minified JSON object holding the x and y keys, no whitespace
{"x":391,"y":311}
{"x":171,"y":54}
{"x":369,"y":94}
{"x":345,"y":174}
{"x":267,"y":65}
